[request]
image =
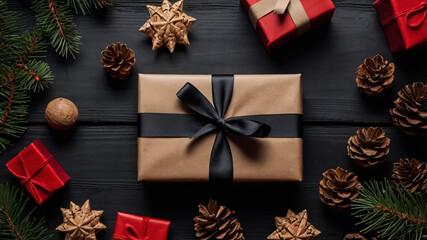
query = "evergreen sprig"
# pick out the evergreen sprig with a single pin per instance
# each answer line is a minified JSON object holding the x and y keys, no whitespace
{"x":15,"y":223}
{"x":87,"y":6}
{"x":56,"y":20}
{"x":20,"y":70}
{"x":13,"y":110}
{"x":391,"y":212}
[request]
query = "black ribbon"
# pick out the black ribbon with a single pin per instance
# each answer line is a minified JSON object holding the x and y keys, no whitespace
{"x":210,"y":118}
{"x":221,"y":163}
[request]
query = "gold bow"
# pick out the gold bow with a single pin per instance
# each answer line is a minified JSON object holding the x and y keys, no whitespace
{"x":294,"y":7}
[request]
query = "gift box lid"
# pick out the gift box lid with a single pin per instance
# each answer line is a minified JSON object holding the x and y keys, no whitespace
{"x":167,"y":152}
{"x":38,"y":171}
{"x":129,"y":226}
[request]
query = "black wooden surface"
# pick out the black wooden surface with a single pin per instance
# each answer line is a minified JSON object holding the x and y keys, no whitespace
{"x":100,"y":153}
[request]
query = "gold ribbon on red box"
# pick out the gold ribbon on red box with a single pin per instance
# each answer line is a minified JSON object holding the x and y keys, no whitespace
{"x":293,"y":7}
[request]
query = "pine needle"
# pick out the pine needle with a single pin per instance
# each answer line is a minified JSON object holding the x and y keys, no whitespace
{"x":15,"y":223}
{"x":56,"y":20}
{"x":20,"y":71}
{"x":391,"y":212}
{"x":87,"y":6}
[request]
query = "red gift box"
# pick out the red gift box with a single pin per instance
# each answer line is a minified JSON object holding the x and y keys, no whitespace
{"x":404,"y":22}
{"x":38,"y":171}
{"x":133,"y":227}
{"x":286,"y":19}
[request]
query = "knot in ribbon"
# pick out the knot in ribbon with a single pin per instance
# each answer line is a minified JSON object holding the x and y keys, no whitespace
{"x":221,"y":162}
{"x":28,"y":180}
{"x":278,"y":7}
{"x":281,"y":6}
{"x":410,"y":13}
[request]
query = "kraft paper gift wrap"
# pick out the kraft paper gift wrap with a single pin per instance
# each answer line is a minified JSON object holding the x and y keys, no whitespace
{"x":253,"y":131}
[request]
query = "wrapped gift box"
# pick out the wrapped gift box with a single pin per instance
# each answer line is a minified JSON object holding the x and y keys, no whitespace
{"x":135,"y":227}
{"x":280,"y":21}
{"x":220,"y":128}
{"x":404,"y":22}
{"x":38,"y":171}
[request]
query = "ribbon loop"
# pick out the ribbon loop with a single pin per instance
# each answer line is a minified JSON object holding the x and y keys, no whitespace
{"x":221,"y":162}
{"x":131,"y":232}
{"x":409,"y":13}
{"x":422,"y":7}
{"x":196,"y":101}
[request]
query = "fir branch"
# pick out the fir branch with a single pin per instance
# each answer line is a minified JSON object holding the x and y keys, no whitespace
{"x":13,"y":110}
{"x":32,"y":46}
{"x":36,"y":75}
{"x":403,"y":216}
{"x":87,"y":6}
{"x":15,"y":224}
{"x":391,"y":212}
{"x":56,"y":21}
{"x":20,"y":70}
{"x":11,"y":82}
{"x":8,"y":22}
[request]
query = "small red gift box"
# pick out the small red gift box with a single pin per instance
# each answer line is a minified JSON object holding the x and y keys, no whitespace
{"x":38,"y":171}
{"x":404,"y":22}
{"x":133,"y":227}
{"x":280,"y":21}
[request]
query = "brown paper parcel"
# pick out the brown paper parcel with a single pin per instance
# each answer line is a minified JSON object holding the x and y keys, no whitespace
{"x":254,"y":159}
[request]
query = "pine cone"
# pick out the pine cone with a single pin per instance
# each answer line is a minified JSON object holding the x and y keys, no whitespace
{"x":338,"y":188}
{"x":375,"y":76}
{"x":118,"y":60}
{"x":412,"y":174}
{"x":368,"y":147}
{"x":217,"y":223}
{"x":410,"y":113}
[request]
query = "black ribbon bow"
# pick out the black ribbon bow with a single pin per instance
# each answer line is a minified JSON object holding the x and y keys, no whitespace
{"x":221,"y":162}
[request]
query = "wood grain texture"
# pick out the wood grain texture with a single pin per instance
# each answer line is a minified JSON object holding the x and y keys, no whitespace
{"x":101,"y":160}
{"x":223,"y":41}
{"x":100,"y":153}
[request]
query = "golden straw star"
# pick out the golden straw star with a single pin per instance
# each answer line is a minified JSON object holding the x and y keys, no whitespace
{"x":294,"y":227}
{"x":81,"y":223}
{"x":168,"y":25}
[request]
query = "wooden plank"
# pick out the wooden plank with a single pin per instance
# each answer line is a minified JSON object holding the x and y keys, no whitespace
{"x":102,"y":163}
{"x":223,"y":41}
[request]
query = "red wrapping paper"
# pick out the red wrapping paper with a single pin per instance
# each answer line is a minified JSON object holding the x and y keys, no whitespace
{"x":276,"y":30}
{"x":404,"y":22}
{"x":133,"y":227}
{"x":38,"y":171}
